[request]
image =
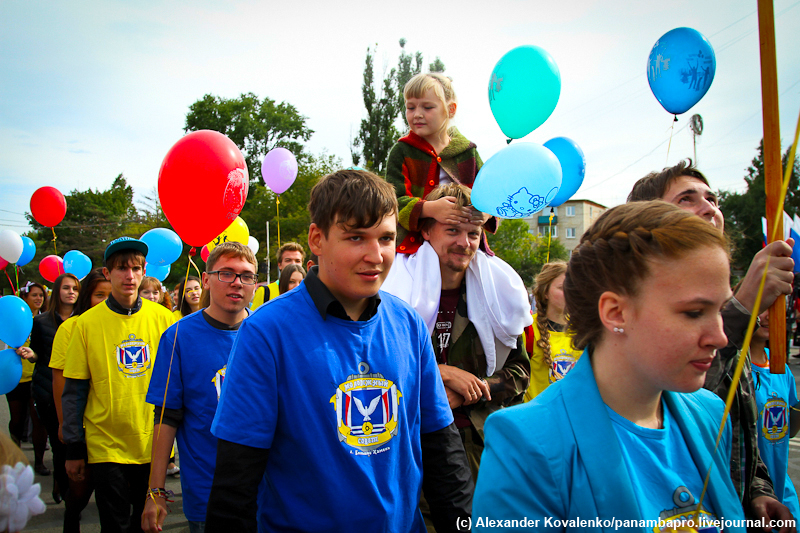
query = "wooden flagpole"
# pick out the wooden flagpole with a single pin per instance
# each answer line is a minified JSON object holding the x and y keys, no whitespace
{"x":772,"y":171}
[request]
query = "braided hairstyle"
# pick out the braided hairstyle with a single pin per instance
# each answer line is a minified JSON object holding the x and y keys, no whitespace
{"x":615,"y":252}
{"x":550,"y":272}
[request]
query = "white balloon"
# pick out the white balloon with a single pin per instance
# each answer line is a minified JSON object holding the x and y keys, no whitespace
{"x":252,"y":243}
{"x":10,"y":245}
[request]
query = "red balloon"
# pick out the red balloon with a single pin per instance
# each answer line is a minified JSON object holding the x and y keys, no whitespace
{"x":203,"y":253}
{"x":48,"y":206}
{"x":204,"y":165}
{"x":3,"y":263}
{"x":51,"y":267}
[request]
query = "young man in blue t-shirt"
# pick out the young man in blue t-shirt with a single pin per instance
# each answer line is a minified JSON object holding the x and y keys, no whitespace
{"x":193,"y":359}
{"x":332,"y":389}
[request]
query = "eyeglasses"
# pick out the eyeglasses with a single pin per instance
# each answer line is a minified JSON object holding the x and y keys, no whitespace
{"x":226,"y":276}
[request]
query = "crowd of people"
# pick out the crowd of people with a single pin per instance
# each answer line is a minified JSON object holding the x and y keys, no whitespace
{"x":399,"y":380}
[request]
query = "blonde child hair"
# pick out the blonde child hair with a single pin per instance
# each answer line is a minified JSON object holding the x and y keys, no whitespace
{"x":442,"y":87}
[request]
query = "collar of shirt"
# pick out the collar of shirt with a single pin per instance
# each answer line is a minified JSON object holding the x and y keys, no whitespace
{"x":117,"y":307}
{"x":214,"y":323}
{"x":327,"y":304}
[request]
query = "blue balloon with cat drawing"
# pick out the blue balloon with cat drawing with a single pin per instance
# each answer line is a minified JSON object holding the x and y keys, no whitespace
{"x":517,"y":181}
{"x":680,"y":69}
{"x":573,"y":167}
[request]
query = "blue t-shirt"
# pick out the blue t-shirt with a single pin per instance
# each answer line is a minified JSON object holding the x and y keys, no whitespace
{"x":775,"y":394}
{"x":662,"y":471}
{"x":341,"y":406}
{"x":198,"y":371}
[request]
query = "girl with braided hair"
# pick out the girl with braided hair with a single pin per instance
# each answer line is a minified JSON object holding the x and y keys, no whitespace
{"x":550,"y":346}
{"x":629,"y":435}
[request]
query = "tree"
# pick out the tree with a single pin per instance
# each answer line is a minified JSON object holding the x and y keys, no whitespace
{"x":94,"y":218}
{"x":378,"y":132}
{"x":255,"y":126}
{"x":524,"y":252}
{"x":743,"y":211}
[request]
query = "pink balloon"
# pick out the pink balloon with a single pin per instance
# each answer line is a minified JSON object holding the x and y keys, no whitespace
{"x":279,"y":169}
{"x":51,"y":267}
{"x":204,"y":253}
{"x":3,"y":263}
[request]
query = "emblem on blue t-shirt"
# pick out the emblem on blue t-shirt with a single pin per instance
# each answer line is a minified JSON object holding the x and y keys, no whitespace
{"x":562,"y":363}
{"x":685,"y":514}
{"x":133,"y":357}
{"x":774,"y":419}
{"x":218,"y":379}
{"x":366,"y":409}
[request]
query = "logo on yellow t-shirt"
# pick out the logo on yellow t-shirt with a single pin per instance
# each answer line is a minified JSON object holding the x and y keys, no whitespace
{"x":133,"y":357}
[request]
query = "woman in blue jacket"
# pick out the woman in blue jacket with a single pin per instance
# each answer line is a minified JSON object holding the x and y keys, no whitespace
{"x":625,"y":440}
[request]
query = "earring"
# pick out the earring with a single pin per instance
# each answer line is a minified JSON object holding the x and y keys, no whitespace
{"x":618,"y":330}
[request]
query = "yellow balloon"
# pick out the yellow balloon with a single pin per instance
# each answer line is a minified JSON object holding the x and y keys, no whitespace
{"x":236,"y":232}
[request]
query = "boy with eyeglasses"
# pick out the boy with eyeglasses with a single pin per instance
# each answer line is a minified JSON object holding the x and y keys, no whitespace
{"x":194,"y":355}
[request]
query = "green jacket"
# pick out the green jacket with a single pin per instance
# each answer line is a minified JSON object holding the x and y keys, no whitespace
{"x":413,"y":170}
{"x":507,"y":385}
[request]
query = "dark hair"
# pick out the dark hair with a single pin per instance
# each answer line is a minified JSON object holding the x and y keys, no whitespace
{"x":125,"y":257}
{"x":183,"y":306}
{"x":655,"y":185}
{"x":313,"y":258}
{"x":27,"y":291}
{"x":54,"y":305}
{"x":286,"y":276}
{"x":614,"y":253}
{"x":90,"y":283}
{"x":351,"y":198}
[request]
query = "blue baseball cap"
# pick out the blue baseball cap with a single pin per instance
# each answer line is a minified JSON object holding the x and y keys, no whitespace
{"x":124,"y":243}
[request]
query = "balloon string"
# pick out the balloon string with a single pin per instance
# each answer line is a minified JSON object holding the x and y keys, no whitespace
{"x":169,"y":369}
{"x":550,"y":233}
{"x":10,"y":282}
{"x":671,"y":129}
{"x":54,"y":240}
{"x":16,"y":275}
{"x":278,"y":217}
{"x":754,"y":315}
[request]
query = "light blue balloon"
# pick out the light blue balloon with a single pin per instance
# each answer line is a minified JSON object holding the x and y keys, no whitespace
{"x":517,"y":181}
{"x":164,"y":247}
{"x":160,"y":272}
{"x":16,"y":321}
{"x":680,"y":69}
{"x":77,"y":263}
{"x":524,"y":90}
{"x":28,"y":251}
{"x":10,"y":370}
{"x":573,"y":167}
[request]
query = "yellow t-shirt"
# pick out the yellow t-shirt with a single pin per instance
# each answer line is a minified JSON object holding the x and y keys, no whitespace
{"x":258,"y":297}
{"x":177,"y":314}
{"x":116,"y":353}
{"x":563,"y":357}
{"x":58,"y":356}
{"x":27,"y":366}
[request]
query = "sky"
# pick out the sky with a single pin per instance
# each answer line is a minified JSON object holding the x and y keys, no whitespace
{"x":93,"y":89}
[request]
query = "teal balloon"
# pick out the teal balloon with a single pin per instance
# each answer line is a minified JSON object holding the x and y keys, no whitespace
{"x":164,"y":247}
{"x":517,"y":181}
{"x":28,"y":251}
{"x":160,"y":272}
{"x":573,"y":167}
{"x":77,"y":263}
{"x":680,"y":69}
{"x":16,"y":321}
{"x":10,"y":370}
{"x":524,"y":90}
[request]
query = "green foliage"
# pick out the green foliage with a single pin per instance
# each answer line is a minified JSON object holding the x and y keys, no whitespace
{"x":294,"y":218}
{"x":743,"y":211}
{"x":378,"y":132}
{"x":524,"y":252}
{"x":94,"y":218}
{"x":255,"y":126}
{"x":436,"y":66}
